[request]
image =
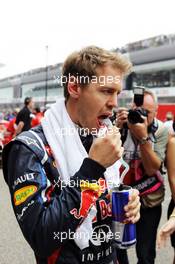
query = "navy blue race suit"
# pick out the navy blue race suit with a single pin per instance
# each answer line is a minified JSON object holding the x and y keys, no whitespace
{"x":45,"y":209}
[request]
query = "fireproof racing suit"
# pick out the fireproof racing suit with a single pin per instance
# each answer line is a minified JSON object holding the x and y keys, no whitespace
{"x":49,"y":213}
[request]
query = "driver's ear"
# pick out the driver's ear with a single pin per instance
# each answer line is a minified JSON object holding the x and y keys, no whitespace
{"x":73,"y":87}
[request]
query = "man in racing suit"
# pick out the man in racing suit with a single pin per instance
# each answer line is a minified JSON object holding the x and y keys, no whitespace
{"x":51,"y":212}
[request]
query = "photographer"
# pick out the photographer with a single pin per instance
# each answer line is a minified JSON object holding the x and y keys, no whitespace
{"x":144,"y":140}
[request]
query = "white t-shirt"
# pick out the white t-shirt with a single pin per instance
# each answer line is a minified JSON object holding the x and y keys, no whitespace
{"x":169,"y":125}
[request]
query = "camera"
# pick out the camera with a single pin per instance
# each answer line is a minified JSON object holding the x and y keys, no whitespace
{"x":113,"y":117}
{"x":135,"y":115}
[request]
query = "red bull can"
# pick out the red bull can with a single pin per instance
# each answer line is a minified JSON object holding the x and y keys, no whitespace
{"x":124,"y":232}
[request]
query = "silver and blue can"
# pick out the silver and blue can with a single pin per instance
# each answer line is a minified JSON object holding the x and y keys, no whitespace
{"x":124,"y":232}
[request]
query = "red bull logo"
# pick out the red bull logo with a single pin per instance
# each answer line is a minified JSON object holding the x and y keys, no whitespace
{"x":90,"y":192}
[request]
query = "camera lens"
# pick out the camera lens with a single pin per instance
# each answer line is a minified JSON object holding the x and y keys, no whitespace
{"x":134,"y":116}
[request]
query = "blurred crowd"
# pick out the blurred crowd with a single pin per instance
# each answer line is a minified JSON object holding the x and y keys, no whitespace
{"x":31,"y":115}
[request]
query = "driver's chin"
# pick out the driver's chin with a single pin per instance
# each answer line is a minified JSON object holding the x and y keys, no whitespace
{"x":92,"y":127}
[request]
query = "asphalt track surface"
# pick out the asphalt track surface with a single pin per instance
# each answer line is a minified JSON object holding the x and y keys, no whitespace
{"x":14,"y":249}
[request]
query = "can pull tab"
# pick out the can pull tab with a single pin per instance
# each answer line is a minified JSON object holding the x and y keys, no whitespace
{"x":102,"y":131}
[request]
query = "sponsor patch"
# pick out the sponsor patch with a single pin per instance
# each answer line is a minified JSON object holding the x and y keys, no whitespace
{"x":90,"y":192}
{"x":22,"y":194}
{"x":24,"y":178}
{"x":19,"y":216}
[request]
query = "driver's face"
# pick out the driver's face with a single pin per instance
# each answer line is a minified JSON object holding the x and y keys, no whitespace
{"x":97,"y":100}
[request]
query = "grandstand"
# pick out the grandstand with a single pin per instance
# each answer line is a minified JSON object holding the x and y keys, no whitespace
{"x":33,"y":83}
{"x":154,"y":67}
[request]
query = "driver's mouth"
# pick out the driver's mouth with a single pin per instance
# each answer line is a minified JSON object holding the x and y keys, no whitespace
{"x":100,"y":119}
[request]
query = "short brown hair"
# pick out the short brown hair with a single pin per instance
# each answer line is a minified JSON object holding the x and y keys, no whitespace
{"x":86,"y":61}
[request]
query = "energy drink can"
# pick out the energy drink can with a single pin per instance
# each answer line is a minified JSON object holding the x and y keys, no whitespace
{"x":124,"y":232}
